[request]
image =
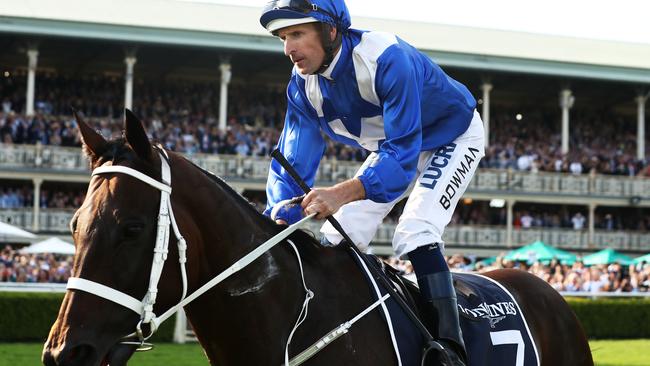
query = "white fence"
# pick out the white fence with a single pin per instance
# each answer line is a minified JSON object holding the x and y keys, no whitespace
{"x":62,"y":159}
{"x":457,"y":236}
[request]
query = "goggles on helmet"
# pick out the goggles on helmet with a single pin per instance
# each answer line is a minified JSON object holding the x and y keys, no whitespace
{"x":300,"y":6}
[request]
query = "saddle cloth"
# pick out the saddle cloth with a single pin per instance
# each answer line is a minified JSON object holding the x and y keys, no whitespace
{"x":494,"y":328}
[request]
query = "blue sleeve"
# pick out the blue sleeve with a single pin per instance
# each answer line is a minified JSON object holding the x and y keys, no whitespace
{"x":303,"y":145}
{"x":395,"y":165}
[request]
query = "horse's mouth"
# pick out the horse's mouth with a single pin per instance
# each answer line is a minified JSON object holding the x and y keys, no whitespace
{"x":118,"y":355}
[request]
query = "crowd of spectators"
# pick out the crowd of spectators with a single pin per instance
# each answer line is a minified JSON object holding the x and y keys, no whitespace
{"x":23,"y":197}
{"x":565,"y":278}
{"x":183,"y":116}
{"x":530,"y":216}
{"x":577,"y":277}
{"x":600,"y":143}
{"x":42,"y":268}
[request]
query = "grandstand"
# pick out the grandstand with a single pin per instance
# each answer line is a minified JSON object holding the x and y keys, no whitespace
{"x":567,"y":161}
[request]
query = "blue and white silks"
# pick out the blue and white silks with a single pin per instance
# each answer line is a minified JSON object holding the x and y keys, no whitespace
{"x":380,"y":94}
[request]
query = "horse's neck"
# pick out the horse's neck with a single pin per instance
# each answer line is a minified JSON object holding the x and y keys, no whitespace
{"x":226,"y":231}
{"x":226,"y":227}
{"x":246,"y":319}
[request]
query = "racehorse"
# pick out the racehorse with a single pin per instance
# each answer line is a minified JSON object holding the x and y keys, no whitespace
{"x":247,"y":319}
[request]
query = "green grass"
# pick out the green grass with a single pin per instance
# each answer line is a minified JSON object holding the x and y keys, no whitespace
{"x":605,"y":352}
{"x":29,"y":354}
{"x":629,"y":352}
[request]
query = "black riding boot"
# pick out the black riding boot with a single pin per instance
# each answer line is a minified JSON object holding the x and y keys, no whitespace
{"x":438,"y":290}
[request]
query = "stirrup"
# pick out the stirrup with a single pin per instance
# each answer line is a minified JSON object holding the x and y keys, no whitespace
{"x":435,"y":352}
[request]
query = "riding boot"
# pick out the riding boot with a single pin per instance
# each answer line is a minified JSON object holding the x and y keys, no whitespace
{"x":438,"y":291}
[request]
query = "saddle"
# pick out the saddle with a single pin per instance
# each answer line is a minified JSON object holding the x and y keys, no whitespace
{"x":410,"y":293}
{"x":494,"y":329}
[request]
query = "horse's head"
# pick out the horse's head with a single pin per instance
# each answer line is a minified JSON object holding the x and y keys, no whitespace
{"x":114,"y":233}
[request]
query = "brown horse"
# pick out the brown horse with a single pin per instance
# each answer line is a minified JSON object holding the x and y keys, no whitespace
{"x":247,"y":318}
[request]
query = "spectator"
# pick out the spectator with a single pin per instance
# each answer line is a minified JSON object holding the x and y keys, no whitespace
{"x":578,"y":221}
{"x":526,"y":220}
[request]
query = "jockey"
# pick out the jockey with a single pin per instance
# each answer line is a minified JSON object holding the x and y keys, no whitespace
{"x":372,"y":90}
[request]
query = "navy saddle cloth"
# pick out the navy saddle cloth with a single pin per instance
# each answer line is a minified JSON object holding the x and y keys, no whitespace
{"x":494,"y":328}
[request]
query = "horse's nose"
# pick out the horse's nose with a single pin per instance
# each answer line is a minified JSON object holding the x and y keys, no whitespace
{"x":81,"y":355}
{"x":48,"y":358}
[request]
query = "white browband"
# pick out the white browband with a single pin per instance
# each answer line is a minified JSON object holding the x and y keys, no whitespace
{"x":134,"y":173}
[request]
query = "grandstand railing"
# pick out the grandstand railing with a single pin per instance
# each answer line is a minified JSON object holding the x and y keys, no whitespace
{"x":50,"y":220}
{"x":239,"y":169}
{"x":458,"y":236}
{"x":42,"y":157}
{"x":32,"y":287}
{"x":52,"y":163}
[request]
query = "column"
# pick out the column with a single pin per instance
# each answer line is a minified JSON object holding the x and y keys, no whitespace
{"x":130,"y":61}
{"x":486,"y":87}
{"x":640,"y":130}
{"x":32,"y":55}
{"x":509,"y":221}
{"x":37,"y":204}
{"x":566,"y":102}
{"x":226,"y":75}
{"x":591,"y":224}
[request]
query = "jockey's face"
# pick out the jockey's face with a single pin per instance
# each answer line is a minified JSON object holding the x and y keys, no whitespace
{"x":303,"y":45}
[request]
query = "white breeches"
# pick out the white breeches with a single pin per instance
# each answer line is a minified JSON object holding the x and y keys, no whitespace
{"x":442,"y":177}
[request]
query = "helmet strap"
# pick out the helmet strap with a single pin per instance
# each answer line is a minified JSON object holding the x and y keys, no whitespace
{"x":330,"y":46}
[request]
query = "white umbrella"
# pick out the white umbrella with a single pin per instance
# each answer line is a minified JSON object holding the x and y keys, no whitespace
{"x":10,"y":231}
{"x":51,"y":245}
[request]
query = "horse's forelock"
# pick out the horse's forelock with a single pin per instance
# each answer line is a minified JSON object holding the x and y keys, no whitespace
{"x":116,"y":150}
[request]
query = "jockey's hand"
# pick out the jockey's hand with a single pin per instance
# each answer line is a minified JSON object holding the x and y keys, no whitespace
{"x":326,"y":201}
{"x":280,"y":222}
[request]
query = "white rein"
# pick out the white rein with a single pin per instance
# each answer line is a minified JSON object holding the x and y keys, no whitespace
{"x":166,"y":218}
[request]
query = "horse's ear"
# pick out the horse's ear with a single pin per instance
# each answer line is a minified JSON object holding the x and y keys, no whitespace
{"x":137,"y":136}
{"x":94,"y":144}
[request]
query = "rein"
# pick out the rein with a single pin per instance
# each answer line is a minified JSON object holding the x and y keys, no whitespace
{"x":166,"y":218}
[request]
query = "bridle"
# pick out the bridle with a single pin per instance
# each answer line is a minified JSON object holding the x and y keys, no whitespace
{"x":166,"y":218}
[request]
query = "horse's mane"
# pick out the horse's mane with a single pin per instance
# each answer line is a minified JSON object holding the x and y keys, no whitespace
{"x":301,"y":236}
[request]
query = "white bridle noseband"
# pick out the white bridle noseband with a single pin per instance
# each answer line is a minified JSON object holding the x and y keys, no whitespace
{"x":144,"y":307}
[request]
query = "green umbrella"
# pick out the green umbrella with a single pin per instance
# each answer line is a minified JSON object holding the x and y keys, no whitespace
{"x":606,"y":256}
{"x":539,"y":251}
{"x":645,"y":258}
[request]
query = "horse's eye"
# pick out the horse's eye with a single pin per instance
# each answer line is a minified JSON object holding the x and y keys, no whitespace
{"x":132,"y":230}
